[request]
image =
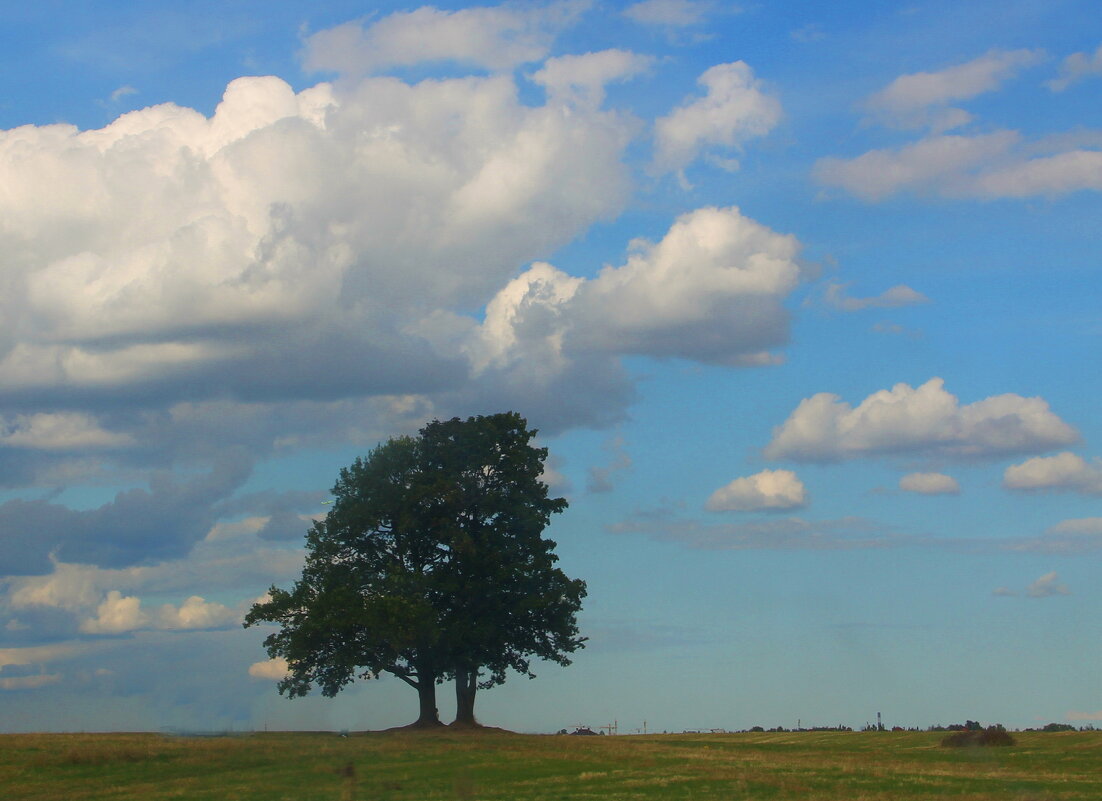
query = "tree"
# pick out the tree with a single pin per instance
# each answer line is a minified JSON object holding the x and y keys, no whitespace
{"x":504,"y":601}
{"x":430,"y":565}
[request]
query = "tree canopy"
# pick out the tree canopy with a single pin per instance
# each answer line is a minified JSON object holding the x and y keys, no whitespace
{"x":431,"y":565}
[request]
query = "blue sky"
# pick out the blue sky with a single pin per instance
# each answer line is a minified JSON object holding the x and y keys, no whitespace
{"x":804,"y":302}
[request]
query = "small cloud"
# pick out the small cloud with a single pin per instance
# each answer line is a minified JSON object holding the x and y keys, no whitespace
{"x":1075,"y":68}
{"x":929,"y":484}
{"x":734,"y":109}
{"x":784,"y":534}
{"x":892,"y":298}
{"x":29,"y":682}
{"x":1063,"y":472}
{"x":1047,"y":586}
{"x":670,"y":13}
{"x":896,"y":330}
{"x":924,"y":420}
{"x":117,"y":614}
{"x":1004,"y":592}
{"x":769,"y":490}
{"x":195,"y":613}
{"x":582,"y":79}
{"x":1084,"y":715}
{"x":1076,"y":536}
{"x":921,"y":99}
{"x":122,"y":92}
{"x":601,"y":478}
{"x":272,"y":669}
{"x":1081,"y":526}
{"x":812,"y":32}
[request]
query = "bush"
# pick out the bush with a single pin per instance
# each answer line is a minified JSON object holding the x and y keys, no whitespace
{"x":992,"y":735}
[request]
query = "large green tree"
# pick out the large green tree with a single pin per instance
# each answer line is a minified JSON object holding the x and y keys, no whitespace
{"x":430,"y":565}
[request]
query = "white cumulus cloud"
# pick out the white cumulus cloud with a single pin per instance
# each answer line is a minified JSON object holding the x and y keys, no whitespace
{"x":1064,"y":471}
{"x":208,"y":273}
{"x":710,"y":290}
{"x":734,"y":109}
{"x":929,"y":484}
{"x":769,"y":490}
{"x":117,"y":614}
{"x":272,"y":669}
{"x":925,"y":420}
{"x":195,"y":613}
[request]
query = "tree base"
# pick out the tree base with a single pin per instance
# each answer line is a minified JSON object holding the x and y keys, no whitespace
{"x":419,"y":725}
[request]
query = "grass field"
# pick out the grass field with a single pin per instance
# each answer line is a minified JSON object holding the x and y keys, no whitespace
{"x":839,"y":766}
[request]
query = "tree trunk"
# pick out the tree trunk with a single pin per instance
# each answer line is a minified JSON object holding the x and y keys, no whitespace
{"x":426,"y":693}
{"x":466,"y":685}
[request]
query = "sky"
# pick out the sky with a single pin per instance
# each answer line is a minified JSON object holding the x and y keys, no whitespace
{"x":804,"y":300}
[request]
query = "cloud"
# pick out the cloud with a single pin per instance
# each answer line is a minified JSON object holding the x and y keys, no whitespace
{"x":1067,"y":538}
{"x":601,"y":477}
{"x":1073,"y":537}
{"x":769,"y":490}
{"x":669,"y":13}
{"x":929,"y":484}
{"x":1085,"y":526}
{"x":891,"y":298}
{"x":785,"y":534}
{"x":734,"y":109}
{"x":582,"y":79}
{"x":117,"y":614}
{"x":1047,"y":586}
{"x":944,"y":164}
{"x":1004,"y":592}
{"x":811,"y":32}
{"x":710,"y":291}
{"x":1063,"y":472}
{"x":992,"y":165}
{"x":137,"y":526}
{"x":284,"y":525}
{"x":272,"y":669}
{"x":38,"y":654}
{"x":1077,"y":67}
{"x":195,"y":613}
{"x":122,"y":92}
{"x":1084,"y":715}
{"x":209,"y":300}
{"x":925,"y":421}
{"x":494,"y":38}
{"x":921,"y":99}
{"x":32,"y":682}
{"x":63,"y":431}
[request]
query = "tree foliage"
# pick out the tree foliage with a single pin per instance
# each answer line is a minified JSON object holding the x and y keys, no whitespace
{"x":430,"y":565}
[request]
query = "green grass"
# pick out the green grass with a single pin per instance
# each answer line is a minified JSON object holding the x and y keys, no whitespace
{"x":495,"y":766}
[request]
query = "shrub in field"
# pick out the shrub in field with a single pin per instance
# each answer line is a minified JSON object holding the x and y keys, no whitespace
{"x":992,"y":735}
